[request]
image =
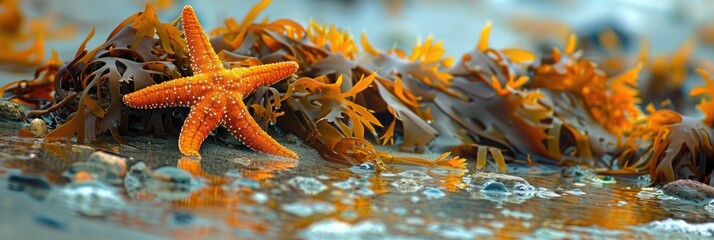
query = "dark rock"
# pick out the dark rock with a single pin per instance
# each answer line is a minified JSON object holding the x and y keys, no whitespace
{"x":37,"y":187}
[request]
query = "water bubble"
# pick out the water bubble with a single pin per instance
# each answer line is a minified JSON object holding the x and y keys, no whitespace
{"x":323,"y":177}
{"x":414,"y":199}
{"x":243,"y":183}
{"x":260,"y":198}
{"x":307,"y":185}
{"x":434,"y":193}
{"x":351,"y":183}
{"x":517,"y":214}
{"x":453,"y":231}
{"x":365,"y":192}
{"x":400,"y":211}
{"x":520,"y":187}
{"x":306,"y":209}
{"x":348,"y":201}
{"x":349,"y":215}
{"x":546,"y":193}
{"x":621,"y":203}
{"x":335,"y":229}
{"x":406,"y":185}
{"x":414,"y":174}
{"x":414,"y":221}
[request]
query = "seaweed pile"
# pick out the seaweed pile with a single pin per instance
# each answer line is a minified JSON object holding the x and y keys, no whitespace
{"x":501,"y":104}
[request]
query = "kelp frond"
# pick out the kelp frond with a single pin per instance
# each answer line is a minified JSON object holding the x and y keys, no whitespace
{"x":328,"y":36}
{"x":706,"y":104}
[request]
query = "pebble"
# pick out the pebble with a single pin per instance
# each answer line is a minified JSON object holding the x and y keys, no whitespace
{"x":480,"y":178}
{"x":307,"y":185}
{"x":434,"y":193}
{"x":37,"y":127}
{"x":575,"y":191}
{"x":575,"y":172}
{"x":92,"y":198}
{"x":100,"y":165}
{"x":689,"y":190}
{"x":172,"y":175}
{"x":11,"y":111}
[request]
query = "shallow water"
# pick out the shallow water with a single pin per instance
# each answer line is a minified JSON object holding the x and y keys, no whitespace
{"x":233,"y":193}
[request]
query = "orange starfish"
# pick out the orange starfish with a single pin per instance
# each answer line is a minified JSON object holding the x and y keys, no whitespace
{"x":215,"y":95}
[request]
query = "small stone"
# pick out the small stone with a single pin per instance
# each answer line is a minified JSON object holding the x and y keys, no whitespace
{"x":479,"y":178}
{"x":171,"y":183}
{"x":37,"y":127}
{"x":494,"y":186}
{"x":575,"y":191}
{"x":689,"y":190}
{"x":307,"y":185}
{"x":11,"y":111}
{"x":434,"y":193}
{"x":91,"y":198}
{"x":100,"y":165}
{"x":172,"y":175}
{"x":575,"y":172}
{"x":406,"y":185}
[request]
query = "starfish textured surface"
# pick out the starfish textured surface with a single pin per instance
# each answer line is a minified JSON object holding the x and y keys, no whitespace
{"x":215,"y":95}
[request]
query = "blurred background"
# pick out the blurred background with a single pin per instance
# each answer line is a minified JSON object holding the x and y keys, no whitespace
{"x":533,"y":25}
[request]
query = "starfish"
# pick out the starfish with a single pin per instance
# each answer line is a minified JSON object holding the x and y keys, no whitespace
{"x":215,"y":95}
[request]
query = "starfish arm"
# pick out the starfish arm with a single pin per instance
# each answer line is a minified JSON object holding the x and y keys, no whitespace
{"x":239,"y":122}
{"x":203,"y":57}
{"x":205,"y":116}
{"x":182,"y":92}
{"x":254,"y":77}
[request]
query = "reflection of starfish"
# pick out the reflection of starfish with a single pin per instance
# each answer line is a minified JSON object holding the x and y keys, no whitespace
{"x":214,"y":94}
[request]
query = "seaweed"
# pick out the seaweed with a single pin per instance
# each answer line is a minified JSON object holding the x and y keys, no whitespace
{"x":23,"y":38}
{"x":131,"y":58}
{"x":706,"y":106}
{"x":500,"y":104}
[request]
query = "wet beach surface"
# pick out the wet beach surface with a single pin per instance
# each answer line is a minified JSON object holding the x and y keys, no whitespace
{"x":52,"y":189}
